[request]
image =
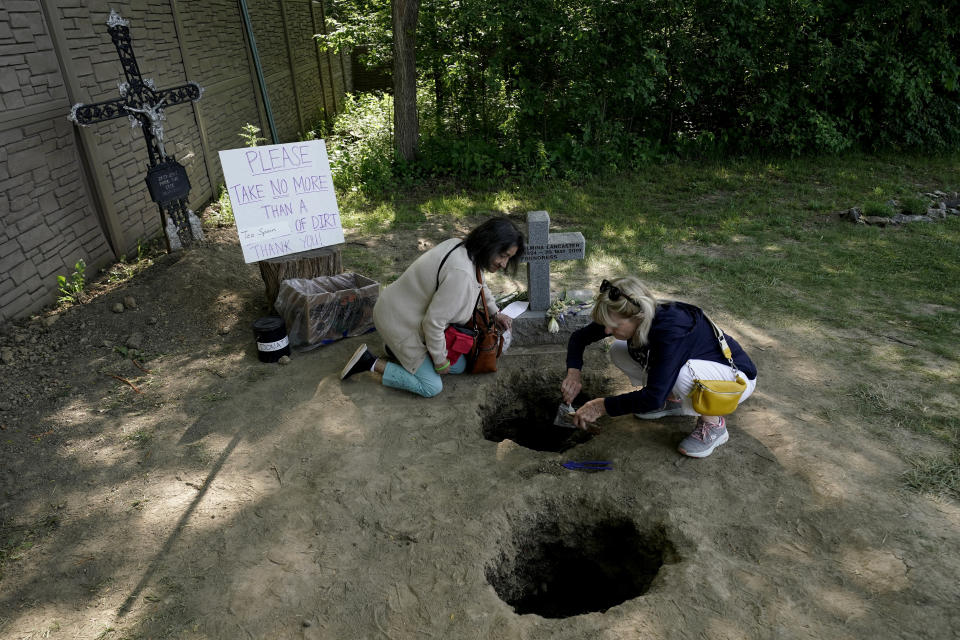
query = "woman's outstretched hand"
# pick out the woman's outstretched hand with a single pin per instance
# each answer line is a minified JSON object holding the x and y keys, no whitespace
{"x":589,"y":413}
{"x":571,"y":385}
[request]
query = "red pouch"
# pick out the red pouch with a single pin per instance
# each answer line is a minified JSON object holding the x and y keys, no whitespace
{"x":460,"y":340}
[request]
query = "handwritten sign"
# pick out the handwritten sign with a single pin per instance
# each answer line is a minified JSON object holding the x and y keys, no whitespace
{"x":282,"y":197}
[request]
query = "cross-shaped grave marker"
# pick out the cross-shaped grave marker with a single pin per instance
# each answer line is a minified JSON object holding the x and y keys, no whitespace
{"x":143,"y":103}
{"x":543,"y":248}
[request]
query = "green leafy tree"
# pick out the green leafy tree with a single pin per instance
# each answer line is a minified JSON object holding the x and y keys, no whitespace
{"x":551,"y":86}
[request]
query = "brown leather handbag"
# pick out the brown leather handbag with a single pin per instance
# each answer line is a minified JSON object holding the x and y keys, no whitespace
{"x":489,"y":343}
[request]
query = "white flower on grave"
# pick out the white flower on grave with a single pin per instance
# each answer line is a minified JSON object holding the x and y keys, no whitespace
{"x":561,"y":308}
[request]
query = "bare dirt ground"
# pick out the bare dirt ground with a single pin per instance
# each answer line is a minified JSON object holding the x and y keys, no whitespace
{"x":195,"y":492}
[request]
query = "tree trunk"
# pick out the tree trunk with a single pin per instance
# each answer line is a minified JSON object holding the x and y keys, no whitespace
{"x":406,"y":127}
{"x":306,"y":264}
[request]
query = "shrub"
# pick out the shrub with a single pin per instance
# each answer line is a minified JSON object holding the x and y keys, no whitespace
{"x":71,"y":290}
{"x":876,"y":208}
{"x":360,"y":143}
{"x":914,"y":205}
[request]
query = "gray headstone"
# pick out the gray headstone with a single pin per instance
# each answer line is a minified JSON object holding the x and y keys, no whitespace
{"x":543,"y":248}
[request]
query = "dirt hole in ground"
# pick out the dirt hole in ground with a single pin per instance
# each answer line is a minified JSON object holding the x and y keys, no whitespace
{"x":523,"y":407}
{"x":560,"y":569}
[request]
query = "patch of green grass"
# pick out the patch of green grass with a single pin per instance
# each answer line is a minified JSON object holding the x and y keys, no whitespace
{"x":938,"y":476}
{"x":877,"y":208}
{"x":886,"y":406}
{"x":914,"y":205}
{"x":369,"y":261}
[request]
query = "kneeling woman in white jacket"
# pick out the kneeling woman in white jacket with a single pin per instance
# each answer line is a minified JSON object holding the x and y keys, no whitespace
{"x":441,"y":287}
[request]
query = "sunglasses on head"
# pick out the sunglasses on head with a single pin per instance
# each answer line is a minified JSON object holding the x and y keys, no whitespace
{"x":614,"y":293}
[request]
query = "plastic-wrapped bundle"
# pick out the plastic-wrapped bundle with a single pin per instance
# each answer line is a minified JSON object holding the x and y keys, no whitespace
{"x":321,"y":310}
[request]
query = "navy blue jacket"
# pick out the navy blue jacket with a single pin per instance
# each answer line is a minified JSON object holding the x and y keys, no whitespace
{"x":679,"y":332}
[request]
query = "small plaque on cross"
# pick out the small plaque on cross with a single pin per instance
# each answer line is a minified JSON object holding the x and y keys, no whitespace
{"x":168,"y":181}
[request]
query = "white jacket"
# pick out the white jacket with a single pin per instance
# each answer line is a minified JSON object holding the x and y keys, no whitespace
{"x":412,"y":313}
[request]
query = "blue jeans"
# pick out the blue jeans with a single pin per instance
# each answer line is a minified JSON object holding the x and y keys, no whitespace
{"x":425,"y":382}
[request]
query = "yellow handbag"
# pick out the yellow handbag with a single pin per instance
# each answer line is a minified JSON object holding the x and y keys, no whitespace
{"x":718,"y":397}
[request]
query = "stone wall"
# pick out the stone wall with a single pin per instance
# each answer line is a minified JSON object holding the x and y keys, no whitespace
{"x":47,"y":222}
{"x":69,"y":193}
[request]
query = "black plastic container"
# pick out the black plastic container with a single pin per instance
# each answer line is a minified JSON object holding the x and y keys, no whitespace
{"x":272,"y":340}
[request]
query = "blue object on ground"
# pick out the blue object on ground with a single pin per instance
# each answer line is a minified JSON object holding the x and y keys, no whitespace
{"x":588,"y":466}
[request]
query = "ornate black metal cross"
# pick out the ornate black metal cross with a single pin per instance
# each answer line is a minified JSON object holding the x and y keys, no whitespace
{"x":143,"y":104}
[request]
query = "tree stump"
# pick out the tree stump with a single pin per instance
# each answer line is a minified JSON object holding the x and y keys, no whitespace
{"x":306,"y":264}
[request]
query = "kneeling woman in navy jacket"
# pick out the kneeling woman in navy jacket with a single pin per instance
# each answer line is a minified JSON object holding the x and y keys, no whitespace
{"x":663,"y":346}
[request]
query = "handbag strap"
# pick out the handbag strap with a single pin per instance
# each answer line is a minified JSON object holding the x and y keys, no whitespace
{"x":481,"y":299}
{"x":444,"y":260}
{"x":724,"y":347}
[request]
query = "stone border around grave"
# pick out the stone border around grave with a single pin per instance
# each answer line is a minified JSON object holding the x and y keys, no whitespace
{"x":945,"y":205}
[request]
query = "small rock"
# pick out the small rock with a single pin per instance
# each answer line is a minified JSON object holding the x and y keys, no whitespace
{"x":855,"y":215}
{"x":151,"y":320}
{"x":117,"y":307}
{"x":129,"y":302}
{"x":505,"y":447}
{"x":49,"y":321}
{"x":881,"y":221}
{"x":284,"y":360}
{"x":19,"y":338}
{"x":134,"y":340}
{"x":901,"y":218}
{"x":83,"y":340}
{"x":108,"y":344}
{"x":305,"y":623}
{"x":223,"y":330}
{"x":6,"y":356}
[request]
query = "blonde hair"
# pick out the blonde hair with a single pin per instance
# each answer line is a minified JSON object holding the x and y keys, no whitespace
{"x":638,"y":292}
